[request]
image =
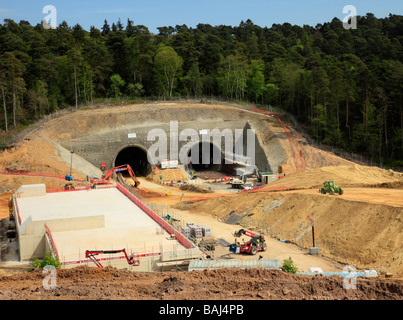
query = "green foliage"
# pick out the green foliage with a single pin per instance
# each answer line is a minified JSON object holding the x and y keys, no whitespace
{"x":167,"y":65}
{"x":48,"y":260}
{"x":117,"y":83}
{"x":288,"y":266}
{"x":135,"y":89}
{"x":344,"y":86}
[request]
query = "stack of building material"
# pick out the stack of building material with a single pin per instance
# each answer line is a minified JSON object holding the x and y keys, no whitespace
{"x":196,"y":232}
{"x":186,"y":231}
{"x":206,"y":231}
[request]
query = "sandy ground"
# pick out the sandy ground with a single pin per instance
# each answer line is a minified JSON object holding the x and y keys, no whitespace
{"x":276,"y":249}
{"x":389,"y":197}
{"x":362,"y":227}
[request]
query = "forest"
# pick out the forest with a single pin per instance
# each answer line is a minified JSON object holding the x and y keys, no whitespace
{"x":345,"y":86}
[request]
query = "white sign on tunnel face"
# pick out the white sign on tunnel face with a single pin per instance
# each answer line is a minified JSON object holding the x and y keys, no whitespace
{"x":132,"y":135}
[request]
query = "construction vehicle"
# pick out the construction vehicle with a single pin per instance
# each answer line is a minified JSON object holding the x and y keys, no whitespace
{"x":91,"y":254}
{"x":237,"y":184}
{"x":331,"y":188}
{"x":257,"y":243}
{"x":69,"y":187}
{"x":105,"y":178}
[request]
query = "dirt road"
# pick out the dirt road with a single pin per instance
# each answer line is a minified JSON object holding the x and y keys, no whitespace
{"x":276,"y":249}
{"x":390,"y":197}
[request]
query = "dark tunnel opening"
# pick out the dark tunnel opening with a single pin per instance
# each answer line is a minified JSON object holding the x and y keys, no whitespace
{"x":206,"y":159}
{"x":136,"y":158}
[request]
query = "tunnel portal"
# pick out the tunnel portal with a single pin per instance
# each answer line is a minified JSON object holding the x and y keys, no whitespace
{"x":136,"y":158}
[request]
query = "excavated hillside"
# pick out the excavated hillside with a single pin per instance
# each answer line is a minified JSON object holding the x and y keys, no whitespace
{"x":362,"y":227}
{"x":364,"y":234}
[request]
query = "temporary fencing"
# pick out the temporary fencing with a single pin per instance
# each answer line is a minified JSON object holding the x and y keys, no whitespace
{"x":289,"y":136}
{"x":32,"y":174}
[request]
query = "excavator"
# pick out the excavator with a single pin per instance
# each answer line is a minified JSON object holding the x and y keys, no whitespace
{"x":257,"y":243}
{"x":91,"y":254}
{"x":105,"y":179}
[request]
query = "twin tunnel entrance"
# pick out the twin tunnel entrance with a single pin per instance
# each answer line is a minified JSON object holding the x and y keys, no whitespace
{"x":204,"y":157}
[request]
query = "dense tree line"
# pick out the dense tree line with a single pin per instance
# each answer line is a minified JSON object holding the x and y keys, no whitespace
{"x":345,"y":86}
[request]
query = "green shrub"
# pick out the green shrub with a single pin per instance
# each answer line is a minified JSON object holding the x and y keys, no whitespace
{"x":48,"y":260}
{"x":288,"y":266}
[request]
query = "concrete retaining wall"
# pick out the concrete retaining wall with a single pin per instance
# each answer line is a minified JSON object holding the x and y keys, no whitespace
{"x":104,"y":147}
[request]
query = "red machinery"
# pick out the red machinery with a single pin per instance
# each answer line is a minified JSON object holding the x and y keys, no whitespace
{"x":257,"y":243}
{"x":105,"y":179}
{"x":91,"y":255}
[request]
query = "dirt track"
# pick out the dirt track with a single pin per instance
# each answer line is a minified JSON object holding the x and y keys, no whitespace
{"x":390,"y":197}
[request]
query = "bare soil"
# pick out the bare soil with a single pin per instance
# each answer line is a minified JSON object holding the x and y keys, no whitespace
{"x":230,"y":284}
{"x":363,"y":227}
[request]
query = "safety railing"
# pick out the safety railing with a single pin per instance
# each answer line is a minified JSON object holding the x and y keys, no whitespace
{"x":159,"y":220}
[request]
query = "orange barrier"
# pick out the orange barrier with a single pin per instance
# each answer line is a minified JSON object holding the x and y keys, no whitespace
{"x":267,"y":188}
{"x":31,"y":174}
{"x":300,"y":152}
{"x":286,"y":130}
{"x":260,"y":189}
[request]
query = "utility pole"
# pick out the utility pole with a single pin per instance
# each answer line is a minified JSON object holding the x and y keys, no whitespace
{"x":310,"y":217}
{"x":313,"y":249}
{"x":71,"y":162}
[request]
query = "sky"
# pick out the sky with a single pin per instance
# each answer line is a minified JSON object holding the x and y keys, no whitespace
{"x":159,"y":13}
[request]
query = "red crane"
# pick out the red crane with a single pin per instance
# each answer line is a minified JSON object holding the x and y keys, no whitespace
{"x":91,"y":254}
{"x":105,"y":179}
{"x":257,"y":243}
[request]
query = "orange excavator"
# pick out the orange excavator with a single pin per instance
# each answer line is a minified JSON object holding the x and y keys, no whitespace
{"x":105,"y":179}
{"x":257,"y":243}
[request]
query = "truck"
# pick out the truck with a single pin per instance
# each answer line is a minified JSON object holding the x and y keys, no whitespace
{"x":237,"y":184}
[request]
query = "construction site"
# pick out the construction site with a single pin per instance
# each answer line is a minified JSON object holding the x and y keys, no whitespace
{"x":84,"y":187}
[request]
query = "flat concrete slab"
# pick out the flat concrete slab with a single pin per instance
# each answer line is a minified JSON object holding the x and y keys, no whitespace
{"x":125,"y":226}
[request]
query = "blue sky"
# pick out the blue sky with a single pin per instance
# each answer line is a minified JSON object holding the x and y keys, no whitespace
{"x":158,"y":13}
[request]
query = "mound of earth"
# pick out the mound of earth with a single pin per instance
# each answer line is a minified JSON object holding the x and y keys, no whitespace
{"x":365,"y":234}
{"x":33,"y":156}
{"x":344,"y":176}
{"x":169,"y":175}
{"x":194,"y":188}
{"x":87,"y":283}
